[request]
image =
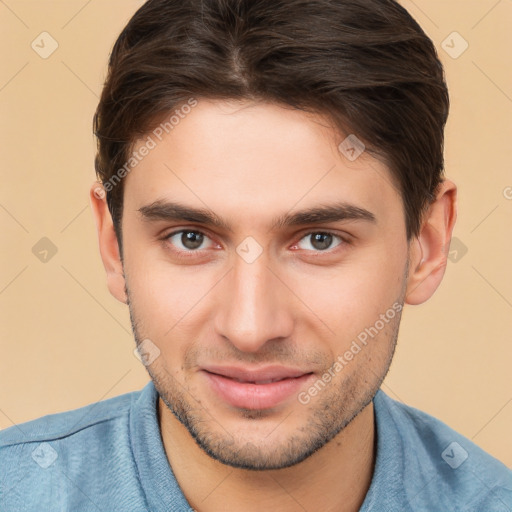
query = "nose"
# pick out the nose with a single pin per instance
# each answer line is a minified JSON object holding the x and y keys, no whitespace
{"x":253,"y":306}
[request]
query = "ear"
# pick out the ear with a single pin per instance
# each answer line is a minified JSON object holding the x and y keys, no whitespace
{"x":429,"y":250}
{"x":109,"y":247}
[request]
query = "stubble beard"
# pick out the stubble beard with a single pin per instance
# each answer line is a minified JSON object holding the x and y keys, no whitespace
{"x":328,"y":413}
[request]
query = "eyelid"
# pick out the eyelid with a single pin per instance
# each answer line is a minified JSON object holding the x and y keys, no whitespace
{"x":344,"y":240}
{"x":203,"y":232}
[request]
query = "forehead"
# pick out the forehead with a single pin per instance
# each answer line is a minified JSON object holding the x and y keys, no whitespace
{"x":241,"y":158}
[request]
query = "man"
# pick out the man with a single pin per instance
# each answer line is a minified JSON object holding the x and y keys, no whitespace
{"x":272,"y":194}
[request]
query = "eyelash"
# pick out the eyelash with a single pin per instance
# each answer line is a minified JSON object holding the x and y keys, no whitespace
{"x":193,"y":253}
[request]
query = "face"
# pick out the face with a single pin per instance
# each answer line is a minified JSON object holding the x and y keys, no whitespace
{"x":267,"y":271}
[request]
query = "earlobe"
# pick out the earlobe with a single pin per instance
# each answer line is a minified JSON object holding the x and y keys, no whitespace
{"x":108,"y":243}
{"x":429,"y":250}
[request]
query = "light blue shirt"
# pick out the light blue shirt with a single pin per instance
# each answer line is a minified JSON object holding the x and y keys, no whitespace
{"x":109,"y":456}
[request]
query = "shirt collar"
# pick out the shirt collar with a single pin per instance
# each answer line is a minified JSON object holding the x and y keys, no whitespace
{"x":163,"y":492}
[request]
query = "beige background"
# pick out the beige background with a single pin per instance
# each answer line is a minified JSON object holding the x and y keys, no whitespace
{"x":65,"y":342}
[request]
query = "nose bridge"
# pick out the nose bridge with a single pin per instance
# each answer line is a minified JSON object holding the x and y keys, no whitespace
{"x":252,"y":309}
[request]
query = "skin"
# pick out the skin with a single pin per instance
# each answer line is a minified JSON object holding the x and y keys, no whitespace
{"x":294,"y":305}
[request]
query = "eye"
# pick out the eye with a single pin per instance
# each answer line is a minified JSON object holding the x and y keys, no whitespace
{"x":190,"y":240}
{"x":320,"y":241}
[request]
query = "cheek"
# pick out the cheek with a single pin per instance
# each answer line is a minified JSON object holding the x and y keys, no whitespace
{"x":353,"y":295}
{"x":168,"y":300}
{"x":151,"y":280}
{"x":175,"y":302}
{"x":162,"y":298}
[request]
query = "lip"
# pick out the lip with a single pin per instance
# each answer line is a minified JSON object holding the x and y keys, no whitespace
{"x":261,"y":388}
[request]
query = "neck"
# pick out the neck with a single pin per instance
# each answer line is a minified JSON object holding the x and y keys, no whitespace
{"x":335,"y":478}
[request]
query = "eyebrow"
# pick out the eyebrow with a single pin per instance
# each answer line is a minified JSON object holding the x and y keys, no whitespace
{"x":173,"y":211}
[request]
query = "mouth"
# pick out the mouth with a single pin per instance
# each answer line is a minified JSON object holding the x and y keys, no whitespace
{"x":268,"y":381}
{"x":255,"y":389}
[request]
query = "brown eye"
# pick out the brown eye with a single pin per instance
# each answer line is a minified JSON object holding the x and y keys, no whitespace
{"x":187,"y":240}
{"x":321,"y":241}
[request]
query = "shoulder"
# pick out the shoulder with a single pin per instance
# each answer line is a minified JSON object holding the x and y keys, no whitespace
{"x":442,"y":466}
{"x":66,"y":425}
{"x":69,"y":459}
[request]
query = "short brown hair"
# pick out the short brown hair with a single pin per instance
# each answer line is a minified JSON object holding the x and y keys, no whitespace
{"x":366,"y":64}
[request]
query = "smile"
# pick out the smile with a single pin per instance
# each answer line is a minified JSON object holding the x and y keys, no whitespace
{"x":258,"y":389}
